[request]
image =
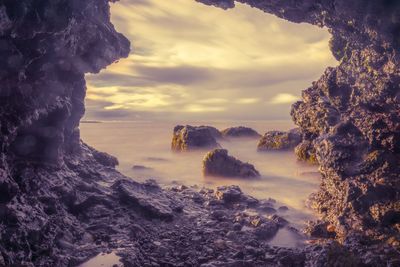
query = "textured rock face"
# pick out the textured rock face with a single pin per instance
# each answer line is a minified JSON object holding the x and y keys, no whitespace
{"x":240,"y":131}
{"x":46,"y":47}
{"x":351,"y":114}
{"x":214,"y":131}
{"x":194,"y":137}
{"x":277,"y":140}
{"x":305,"y":151}
{"x":218,"y":163}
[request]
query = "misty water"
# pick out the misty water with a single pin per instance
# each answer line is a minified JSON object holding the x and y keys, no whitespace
{"x":148,"y":143}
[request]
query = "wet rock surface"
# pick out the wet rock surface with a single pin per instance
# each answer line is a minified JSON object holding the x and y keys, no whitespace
{"x":194,"y":137}
{"x":61,"y":202}
{"x":278,"y":140}
{"x":305,"y":151}
{"x":218,"y":163}
{"x":240,"y":131}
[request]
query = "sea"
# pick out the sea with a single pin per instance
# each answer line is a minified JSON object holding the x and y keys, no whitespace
{"x":147,"y":145}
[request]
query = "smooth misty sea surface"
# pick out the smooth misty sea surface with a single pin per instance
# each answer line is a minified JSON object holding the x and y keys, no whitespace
{"x":148,"y":144}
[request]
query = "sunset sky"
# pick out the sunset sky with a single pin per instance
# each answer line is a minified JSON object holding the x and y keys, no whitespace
{"x":195,"y":62}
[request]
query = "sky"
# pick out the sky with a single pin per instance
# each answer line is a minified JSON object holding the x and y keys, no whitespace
{"x":190,"y":61}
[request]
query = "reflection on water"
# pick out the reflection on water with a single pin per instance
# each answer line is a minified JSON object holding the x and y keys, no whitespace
{"x":148,"y":144}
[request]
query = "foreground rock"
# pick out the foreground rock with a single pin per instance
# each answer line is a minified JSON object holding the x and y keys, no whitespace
{"x":194,"y":137}
{"x":277,"y":140}
{"x":218,"y":163}
{"x":240,"y":132}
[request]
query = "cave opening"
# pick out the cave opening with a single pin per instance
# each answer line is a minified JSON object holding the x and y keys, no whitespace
{"x":64,"y":213}
{"x":237,"y":64}
{"x":224,"y":68}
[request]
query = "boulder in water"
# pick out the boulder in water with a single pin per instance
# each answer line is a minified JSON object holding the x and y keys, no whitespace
{"x":278,"y":140}
{"x":141,"y":168}
{"x":193,"y":137}
{"x":218,"y":163}
{"x":240,"y":131}
{"x":214,"y":131}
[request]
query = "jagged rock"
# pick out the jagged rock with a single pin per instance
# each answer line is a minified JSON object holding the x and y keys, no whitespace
{"x":218,"y":163}
{"x":266,"y":230}
{"x":277,"y":140}
{"x":267,"y":206}
{"x":191,"y":137}
{"x":305,"y":151}
{"x":229,"y":194}
{"x":240,"y":131}
{"x":319,"y":230}
{"x":105,"y":159}
{"x":152,"y":203}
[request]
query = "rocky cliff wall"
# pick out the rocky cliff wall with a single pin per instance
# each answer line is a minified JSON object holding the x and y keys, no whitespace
{"x":46,"y":47}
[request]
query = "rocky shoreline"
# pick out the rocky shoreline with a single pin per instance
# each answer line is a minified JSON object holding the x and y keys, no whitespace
{"x":62,"y":202}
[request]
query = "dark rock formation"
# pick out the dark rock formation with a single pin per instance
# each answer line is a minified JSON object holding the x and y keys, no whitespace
{"x":214,"y":226}
{"x":214,"y":131}
{"x":104,"y":158}
{"x":229,"y":193}
{"x":351,"y":115}
{"x":240,"y":131}
{"x":194,"y":137}
{"x":277,"y":140}
{"x":218,"y":163}
{"x":47,"y":176}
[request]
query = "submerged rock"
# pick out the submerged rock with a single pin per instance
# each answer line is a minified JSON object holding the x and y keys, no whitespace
{"x":240,"y":131}
{"x":277,"y":140}
{"x":193,"y":137}
{"x":218,"y":163}
{"x":141,"y":168}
